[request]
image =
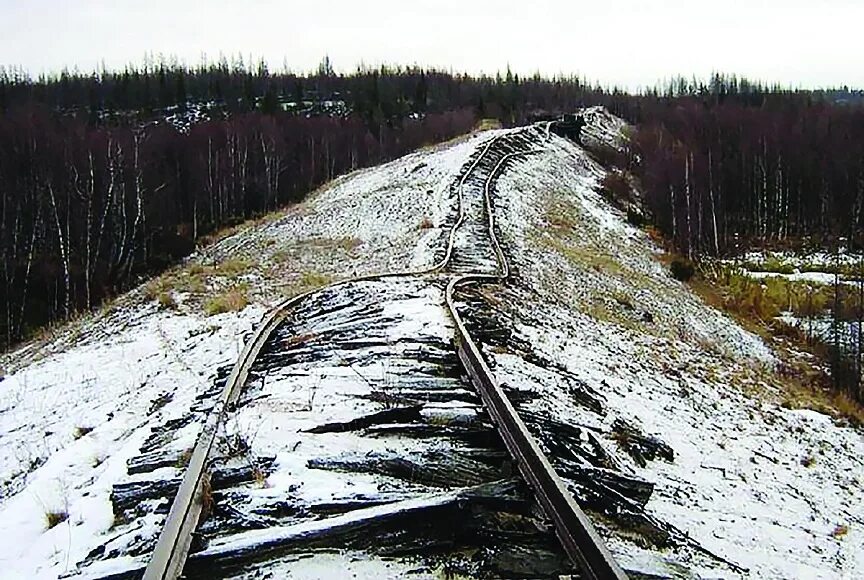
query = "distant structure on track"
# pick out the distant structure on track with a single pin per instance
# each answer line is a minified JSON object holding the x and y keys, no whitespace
{"x":569,"y":126}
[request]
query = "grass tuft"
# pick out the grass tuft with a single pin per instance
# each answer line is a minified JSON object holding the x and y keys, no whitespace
{"x":231,"y":300}
{"x":184,"y":458}
{"x":166,"y":301}
{"x":234,"y":267}
{"x":55,"y":517}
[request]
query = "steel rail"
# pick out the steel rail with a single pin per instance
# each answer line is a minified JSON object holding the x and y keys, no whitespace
{"x":577,"y":535}
{"x":172,"y":546}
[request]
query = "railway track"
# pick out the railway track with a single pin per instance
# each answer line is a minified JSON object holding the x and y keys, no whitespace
{"x":473,"y":256}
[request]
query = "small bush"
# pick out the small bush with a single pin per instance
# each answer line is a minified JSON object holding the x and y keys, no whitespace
{"x":606,"y":155}
{"x":616,"y":188}
{"x":80,"y":432}
{"x":426,"y":224}
{"x":773,"y":264}
{"x":682,"y":269}
{"x":166,"y":301}
{"x":55,"y":517}
{"x":635,"y":218}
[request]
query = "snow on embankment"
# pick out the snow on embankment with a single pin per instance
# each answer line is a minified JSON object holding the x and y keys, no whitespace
{"x":384,"y":219}
{"x":73,"y":409}
{"x":775,"y":491}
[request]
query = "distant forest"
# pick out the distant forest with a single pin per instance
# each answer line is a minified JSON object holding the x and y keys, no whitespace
{"x":109,"y":176}
{"x":727,"y":166}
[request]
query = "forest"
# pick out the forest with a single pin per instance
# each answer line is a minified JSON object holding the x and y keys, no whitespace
{"x":726,"y":168}
{"x":110,"y":176}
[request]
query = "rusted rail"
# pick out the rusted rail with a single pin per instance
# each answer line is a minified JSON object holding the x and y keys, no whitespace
{"x":573,"y":528}
{"x":175,"y":538}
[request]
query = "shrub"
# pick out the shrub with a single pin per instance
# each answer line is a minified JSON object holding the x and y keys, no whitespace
{"x":55,"y":517}
{"x":773,"y":264}
{"x":682,"y":269}
{"x":617,"y":189}
{"x":606,"y":155}
{"x":635,"y":218}
{"x":166,"y":300}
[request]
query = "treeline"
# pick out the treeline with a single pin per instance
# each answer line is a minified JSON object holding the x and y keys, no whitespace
{"x":726,"y":167}
{"x":731,"y":166}
{"x":96,"y":188}
{"x":377,"y":94}
{"x":85,"y":210}
{"x":108,"y":176}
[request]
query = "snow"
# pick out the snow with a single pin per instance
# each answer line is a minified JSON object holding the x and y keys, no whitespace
{"x":804,"y":260}
{"x":809,"y":277}
{"x":742,"y":484}
{"x":107,"y":384}
{"x":391,"y":217}
{"x":757,"y":484}
{"x":105,"y":372}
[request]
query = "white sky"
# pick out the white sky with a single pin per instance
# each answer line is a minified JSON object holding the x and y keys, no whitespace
{"x":626,"y":42}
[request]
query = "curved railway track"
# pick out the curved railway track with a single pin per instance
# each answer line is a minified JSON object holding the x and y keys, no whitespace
{"x":473,"y":256}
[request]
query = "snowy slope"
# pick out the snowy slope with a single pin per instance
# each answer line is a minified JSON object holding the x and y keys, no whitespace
{"x":134,"y":366}
{"x":756,"y":484}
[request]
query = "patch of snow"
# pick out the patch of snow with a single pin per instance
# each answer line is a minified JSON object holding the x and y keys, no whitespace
{"x":108,"y":386}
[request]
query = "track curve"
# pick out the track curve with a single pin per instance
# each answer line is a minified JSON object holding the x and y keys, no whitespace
{"x":463,"y":264}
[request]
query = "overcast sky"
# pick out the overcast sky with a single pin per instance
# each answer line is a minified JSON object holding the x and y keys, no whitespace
{"x":625,"y":42}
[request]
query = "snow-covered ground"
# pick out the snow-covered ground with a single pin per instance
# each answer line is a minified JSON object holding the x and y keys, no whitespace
{"x":765,"y":488}
{"x":74,"y":409}
{"x":804,"y":261}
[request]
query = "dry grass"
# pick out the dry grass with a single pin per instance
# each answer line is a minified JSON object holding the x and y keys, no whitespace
{"x":184,"y":458}
{"x":207,"y":499}
{"x":260,"y":477}
{"x":487,"y":124}
{"x":803,"y":394}
{"x":346,"y":244}
{"x":231,"y":300}
{"x":166,"y":301}
{"x":305,"y":282}
{"x":233,"y":267}
{"x":595,"y":258}
{"x":228,"y":231}
{"x":801,"y":379}
{"x":55,"y":517}
{"x":280,"y":256}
